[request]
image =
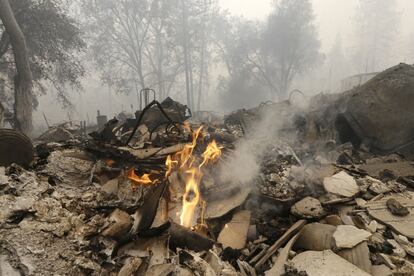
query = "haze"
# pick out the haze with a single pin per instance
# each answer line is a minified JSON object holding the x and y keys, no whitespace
{"x":231,"y":57}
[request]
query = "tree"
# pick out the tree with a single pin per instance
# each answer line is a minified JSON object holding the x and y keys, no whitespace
{"x":132,"y":43}
{"x":151,"y":43}
{"x":54,"y":42}
{"x":23,"y":78}
{"x":376,"y":28}
{"x":290,"y":45}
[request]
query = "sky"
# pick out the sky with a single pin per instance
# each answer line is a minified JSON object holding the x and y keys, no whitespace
{"x":332,"y":16}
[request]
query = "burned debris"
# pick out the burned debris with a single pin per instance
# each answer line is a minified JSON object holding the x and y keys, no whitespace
{"x":147,"y":196}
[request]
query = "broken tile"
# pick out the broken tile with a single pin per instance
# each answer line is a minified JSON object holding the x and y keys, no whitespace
{"x":234,"y":233}
{"x":348,"y":236}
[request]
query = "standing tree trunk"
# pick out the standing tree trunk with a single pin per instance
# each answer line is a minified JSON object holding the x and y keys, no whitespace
{"x":23,"y":79}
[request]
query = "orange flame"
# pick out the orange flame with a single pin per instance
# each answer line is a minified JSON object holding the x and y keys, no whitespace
{"x":211,"y":154}
{"x":184,"y":162}
{"x":141,"y":180}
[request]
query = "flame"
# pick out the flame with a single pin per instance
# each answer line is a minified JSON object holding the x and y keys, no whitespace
{"x":191,"y":197}
{"x":184,"y":161}
{"x":141,"y":180}
{"x":211,"y":154}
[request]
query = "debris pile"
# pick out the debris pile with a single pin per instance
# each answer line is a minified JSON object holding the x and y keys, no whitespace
{"x":144,"y":196}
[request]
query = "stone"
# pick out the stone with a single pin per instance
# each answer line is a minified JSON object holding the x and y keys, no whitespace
{"x":118,"y":224}
{"x":341,"y":184}
{"x":348,"y":236}
{"x":318,"y":263}
{"x":396,"y":208}
{"x":333,"y":220}
{"x":372,"y":226}
{"x":308,"y":208}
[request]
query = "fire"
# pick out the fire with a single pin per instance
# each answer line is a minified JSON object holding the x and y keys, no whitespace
{"x":211,"y":154}
{"x":191,"y":197}
{"x":141,"y":180}
{"x":184,"y":161}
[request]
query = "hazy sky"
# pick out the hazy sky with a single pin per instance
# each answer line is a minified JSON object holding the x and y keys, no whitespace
{"x":332,"y":16}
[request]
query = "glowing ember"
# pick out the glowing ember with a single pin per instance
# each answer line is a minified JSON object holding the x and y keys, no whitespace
{"x":141,"y":180}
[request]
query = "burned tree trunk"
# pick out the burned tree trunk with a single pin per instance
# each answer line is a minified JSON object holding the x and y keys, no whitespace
{"x":23,"y":78}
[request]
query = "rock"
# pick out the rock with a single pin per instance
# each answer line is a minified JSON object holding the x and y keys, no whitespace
{"x":398,"y":250}
{"x":119,"y":223}
{"x":308,"y":208}
{"x":130,"y":267}
{"x":396,"y":208}
{"x":316,"y":236}
{"x":318,"y":263}
{"x":234,"y":233}
{"x":359,"y":256}
{"x":333,"y":220}
{"x":372,"y":226}
{"x":341,"y":184}
{"x":348,"y":236}
{"x":401,"y":225}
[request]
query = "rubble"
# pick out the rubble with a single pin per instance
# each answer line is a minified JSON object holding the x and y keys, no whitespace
{"x":144,"y":196}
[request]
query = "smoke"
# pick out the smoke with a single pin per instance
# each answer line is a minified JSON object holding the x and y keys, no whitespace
{"x":243,"y":165}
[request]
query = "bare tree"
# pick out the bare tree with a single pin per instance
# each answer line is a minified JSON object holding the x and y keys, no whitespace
{"x":23,"y":79}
